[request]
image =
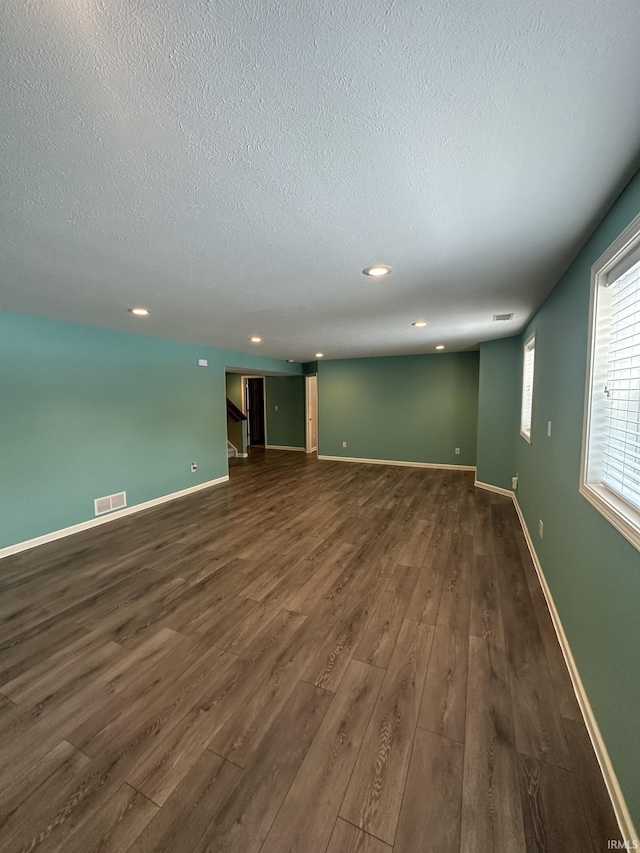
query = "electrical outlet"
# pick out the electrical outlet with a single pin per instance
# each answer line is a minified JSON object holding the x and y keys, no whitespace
{"x":203,"y":362}
{"x":514,"y":482}
{"x":276,"y":408}
{"x":457,"y":451}
{"x":194,"y":467}
{"x":541,"y":528}
{"x":344,"y":443}
{"x":549,"y":428}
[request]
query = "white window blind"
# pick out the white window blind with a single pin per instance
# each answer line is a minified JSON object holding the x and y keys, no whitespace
{"x":527,"y":387}
{"x":620,"y":469}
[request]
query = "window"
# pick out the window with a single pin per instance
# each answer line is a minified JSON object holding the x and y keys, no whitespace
{"x":528,"y":365}
{"x":610,"y":477}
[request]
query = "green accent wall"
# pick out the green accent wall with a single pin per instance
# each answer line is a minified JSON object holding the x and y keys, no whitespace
{"x":87,"y":412}
{"x":498,"y":410}
{"x":286,"y":427}
{"x":592,"y":571}
{"x":414,"y":408}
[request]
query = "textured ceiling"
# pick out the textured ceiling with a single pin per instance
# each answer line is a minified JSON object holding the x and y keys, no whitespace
{"x":234,"y":165}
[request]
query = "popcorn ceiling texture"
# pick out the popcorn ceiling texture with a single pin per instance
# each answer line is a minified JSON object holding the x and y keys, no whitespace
{"x":234,"y":165}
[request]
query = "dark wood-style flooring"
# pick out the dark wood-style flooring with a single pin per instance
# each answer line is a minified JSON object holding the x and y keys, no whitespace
{"x":315,"y":657}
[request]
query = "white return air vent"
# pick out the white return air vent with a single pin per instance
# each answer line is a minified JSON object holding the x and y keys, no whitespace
{"x":499,"y":317}
{"x":110,"y":502}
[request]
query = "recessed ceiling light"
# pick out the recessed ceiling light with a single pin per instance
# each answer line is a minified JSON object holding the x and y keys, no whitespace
{"x":319,"y":354}
{"x":440,"y":346}
{"x":419,"y":324}
{"x":377,"y":270}
{"x":255,"y":339}
{"x":139,"y":312}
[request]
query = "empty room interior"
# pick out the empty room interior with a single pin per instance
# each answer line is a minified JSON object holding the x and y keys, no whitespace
{"x":319,"y":427}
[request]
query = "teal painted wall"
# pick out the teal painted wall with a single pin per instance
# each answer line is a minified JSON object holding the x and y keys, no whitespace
{"x":592,"y":571}
{"x":416,"y":408}
{"x":498,"y":410}
{"x":86,"y":412}
{"x":286,"y":426}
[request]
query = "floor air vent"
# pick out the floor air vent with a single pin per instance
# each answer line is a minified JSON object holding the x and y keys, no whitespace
{"x":110,"y":502}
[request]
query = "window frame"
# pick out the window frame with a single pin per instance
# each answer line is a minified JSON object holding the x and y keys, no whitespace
{"x":526,"y":347}
{"x":618,"y":511}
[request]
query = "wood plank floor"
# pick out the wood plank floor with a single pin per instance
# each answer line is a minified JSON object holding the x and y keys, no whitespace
{"x":315,"y":657}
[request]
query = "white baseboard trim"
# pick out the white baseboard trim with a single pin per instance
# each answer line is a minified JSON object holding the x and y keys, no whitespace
{"x":497,"y":489}
{"x":242,"y":455}
{"x":397,"y":462}
{"x":282,"y":447}
{"x":103,"y":519}
{"x":620,"y":808}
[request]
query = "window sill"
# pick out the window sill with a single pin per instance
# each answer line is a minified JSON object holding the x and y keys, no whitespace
{"x":526,"y":436}
{"x":617,"y":511}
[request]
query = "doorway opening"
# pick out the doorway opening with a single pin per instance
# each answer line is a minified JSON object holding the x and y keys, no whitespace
{"x":311,"y":412}
{"x":254,"y":401}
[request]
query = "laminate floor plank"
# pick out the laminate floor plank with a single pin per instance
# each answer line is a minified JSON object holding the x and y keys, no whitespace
{"x":483,"y":538}
{"x":115,"y":826}
{"x":97,"y":596}
{"x":347,"y":838}
{"x":425,"y":600}
{"x":565,"y":694}
{"x":393,"y":680}
{"x":191,"y":811}
{"x":598,"y":809}
{"x":554,"y":817}
{"x":379,"y":639}
{"x":79,"y":659}
{"x":322,"y":577}
{"x":330,"y":662}
{"x":162,"y":706}
{"x":250,"y":709}
{"x":311,"y":807}
{"x":443,"y":705}
{"x":18,"y":614}
{"x":244,"y":820}
{"x":459,"y":566}
{"x":486,"y":610}
{"x":241,"y":624}
{"x":37,"y":795}
{"x":539,"y":730}
{"x":491,"y":805}
{"x":374,"y":795}
{"x":432,"y":805}
{"x":163,"y":764}
{"x":25,"y":651}
{"x":32,"y":729}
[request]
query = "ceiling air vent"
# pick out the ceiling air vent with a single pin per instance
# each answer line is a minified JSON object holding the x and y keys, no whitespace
{"x":110,"y":502}
{"x":497,"y":317}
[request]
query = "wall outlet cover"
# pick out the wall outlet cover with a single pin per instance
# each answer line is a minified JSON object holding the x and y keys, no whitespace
{"x":344,"y":443}
{"x":194,"y":467}
{"x":203,"y":362}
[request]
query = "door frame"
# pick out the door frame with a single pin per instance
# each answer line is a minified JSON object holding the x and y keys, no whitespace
{"x":307,"y":429}
{"x":244,"y":378}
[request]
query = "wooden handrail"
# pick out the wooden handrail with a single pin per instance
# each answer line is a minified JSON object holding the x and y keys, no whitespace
{"x":234,"y":412}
